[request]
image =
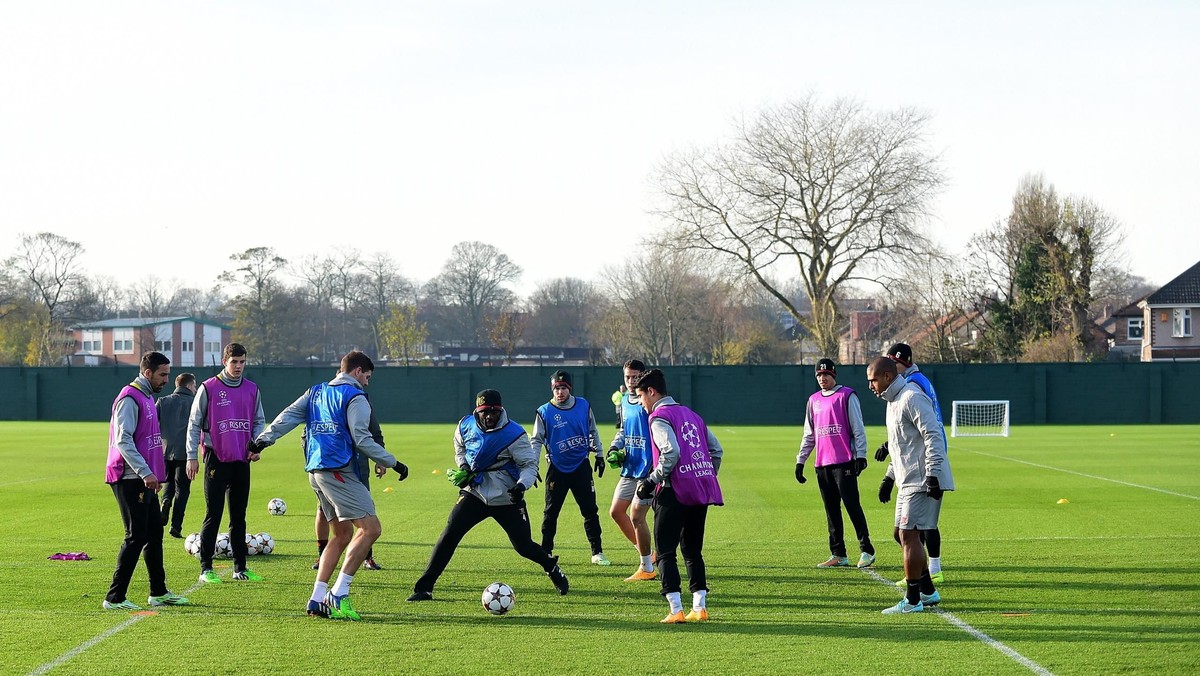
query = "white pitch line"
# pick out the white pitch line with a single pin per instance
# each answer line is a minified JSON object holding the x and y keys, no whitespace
{"x":43,"y":478}
{"x":83,"y":647}
{"x":975,"y":633}
{"x":1088,"y":476}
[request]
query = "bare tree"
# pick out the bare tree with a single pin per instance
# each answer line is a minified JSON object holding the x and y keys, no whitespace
{"x":150,"y":296}
{"x":472,"y":281}
{"x":259,"y":307}
{"x":383,"y":287}
{"x":822,"y":189}
{"x":505,"y":331}
{"x":659,"y":304}
{"x":561,"y":312}
{"x":48,"y":266}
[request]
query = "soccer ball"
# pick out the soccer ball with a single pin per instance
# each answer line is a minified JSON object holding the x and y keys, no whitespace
{"x":498,"y":598}
{"x":277,"y":507}
{"x":191,"y":545}
{"x":253,"y":545}
{"x":224,"y":549}
{"x":266,"y":543}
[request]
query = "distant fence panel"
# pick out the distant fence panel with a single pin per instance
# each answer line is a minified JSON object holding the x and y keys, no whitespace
{"x":1117,"y":393}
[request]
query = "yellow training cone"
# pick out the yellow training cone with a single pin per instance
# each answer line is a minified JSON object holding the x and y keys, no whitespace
{"x":389,"y":489}
{"x":436,"y":472}
{"x":1064,"y":501}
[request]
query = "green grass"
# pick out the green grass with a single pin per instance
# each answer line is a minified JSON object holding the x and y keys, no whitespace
{"x":1106,"y":583}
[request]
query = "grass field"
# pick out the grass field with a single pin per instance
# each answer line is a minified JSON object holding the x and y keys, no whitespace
{"x":1108,"y":582}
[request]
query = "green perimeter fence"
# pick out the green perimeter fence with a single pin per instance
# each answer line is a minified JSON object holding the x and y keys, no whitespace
{"x":1078,"y":394}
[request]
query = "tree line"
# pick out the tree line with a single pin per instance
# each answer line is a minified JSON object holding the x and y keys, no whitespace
{"x":808,"y":211}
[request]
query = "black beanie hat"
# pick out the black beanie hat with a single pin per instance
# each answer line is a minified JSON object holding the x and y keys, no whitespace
{"x":827,"y":366}
{"x":561,"y":378}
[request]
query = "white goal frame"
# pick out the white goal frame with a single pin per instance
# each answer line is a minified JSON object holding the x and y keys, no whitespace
{"x":996,"y":425}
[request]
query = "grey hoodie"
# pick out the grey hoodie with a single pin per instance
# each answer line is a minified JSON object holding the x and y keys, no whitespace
{"x":915,"y":439}
{"x":494,"y":488}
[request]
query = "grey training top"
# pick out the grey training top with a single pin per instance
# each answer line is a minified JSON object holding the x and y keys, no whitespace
{"x":915,"y":439}
{"x":538,"y":439}
{"x":173,"y":413}
{"x":668,"y":447}
{"x":199,"y":418}
{"x":493,"y":490}
{"x":124,"y":422}
{"x":358,"y":419}
{"x":858,"y":432}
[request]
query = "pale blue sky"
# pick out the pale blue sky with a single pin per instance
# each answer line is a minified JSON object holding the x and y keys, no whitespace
{"x":213,"y":126}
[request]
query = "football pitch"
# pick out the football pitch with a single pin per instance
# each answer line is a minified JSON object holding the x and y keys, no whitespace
{"x":1104,"y":582}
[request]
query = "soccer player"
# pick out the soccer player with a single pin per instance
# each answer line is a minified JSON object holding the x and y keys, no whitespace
{"x":833,"y":425}
{"x":919,"y":464}
{"x":134,"y":470}
{"x":682,"y":484}
{"x":496,"y":465}
{"x":566,"y":428}
{"x":226,"y":416}
{"x":173,"y":412}
{"x":630,"y":453}
{"x":901,"y":353}
{"x":336,"y":416}
{"x":321,"y":524}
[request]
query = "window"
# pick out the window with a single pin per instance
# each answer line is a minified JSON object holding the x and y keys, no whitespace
{"x":212,"y":346}
{"x":122,"y":341}
{"x":1182,"y":326}
{"x":93,"y":341}
{"x":187,"y":346}
{"x":163,"y":346}
{"x":1135,"y":329}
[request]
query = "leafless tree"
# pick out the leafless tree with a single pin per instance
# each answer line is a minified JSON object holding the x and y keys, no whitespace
{"x":48,"y":266}
{"x":823,"y":190}
{"x":383,"y":287}
{"x":472,"y":282}
{"x":561,"y":312}
{"x":258,"y":302}
{"x":151,"y":296}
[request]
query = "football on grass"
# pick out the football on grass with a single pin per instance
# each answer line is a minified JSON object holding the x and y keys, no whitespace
{"x":277,"y":507}
{"x":192,"y":545}
{"x":498,"y":598}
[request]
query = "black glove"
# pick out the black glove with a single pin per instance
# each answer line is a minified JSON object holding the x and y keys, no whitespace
{"x":255,"y":446}
{"x":885,"y":489}
{"x":401,"y":469}
{"x":645,"y":489}
{"x":859,"y":465}
{"x":933,"y":487}
{"x":517,"y":492}
{"x":800,"y":473}
{"x":881,"y":452}
{"x":599,"y":465}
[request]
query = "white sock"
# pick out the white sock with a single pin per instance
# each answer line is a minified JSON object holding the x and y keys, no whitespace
{"x":319,"y":589}
{"x":342,"y":587}
{"x":646,"y":565}
{"x":698,"y":599}
{"x":935,"y":565}
{"x":676,"y":603}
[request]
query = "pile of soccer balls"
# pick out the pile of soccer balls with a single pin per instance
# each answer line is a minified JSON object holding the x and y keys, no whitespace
{"x":259,"y":543}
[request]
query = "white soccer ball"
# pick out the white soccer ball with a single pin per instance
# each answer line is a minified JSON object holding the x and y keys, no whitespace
{"x":191,"y":545}
{"x":253,"y":545}
{"x":224,"y":549}
{"x":498,"y":598}
{"x":277,"y":507}
{"x":266,"y":543}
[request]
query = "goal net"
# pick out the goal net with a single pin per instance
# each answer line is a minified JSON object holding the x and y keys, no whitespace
{"x":979,"y":419}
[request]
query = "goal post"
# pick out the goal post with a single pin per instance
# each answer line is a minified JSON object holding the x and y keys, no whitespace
{"x":979,"y":418}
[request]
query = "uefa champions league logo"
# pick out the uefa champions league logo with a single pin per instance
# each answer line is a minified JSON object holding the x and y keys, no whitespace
{"x":557,"y":418}
{"x":816,"y":405}
{"x":691,"y":434}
